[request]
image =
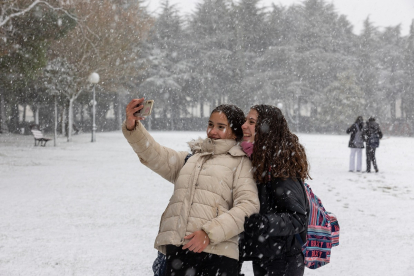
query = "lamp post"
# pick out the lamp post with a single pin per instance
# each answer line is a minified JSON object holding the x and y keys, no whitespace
{"x":94,"y":79}
{"x":279,"y":105}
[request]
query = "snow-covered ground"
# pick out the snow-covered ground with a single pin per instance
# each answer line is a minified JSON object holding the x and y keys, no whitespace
{"x":85,"y":208}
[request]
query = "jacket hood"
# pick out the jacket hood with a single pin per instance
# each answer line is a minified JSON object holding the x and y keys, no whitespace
{"x":221,"y":146}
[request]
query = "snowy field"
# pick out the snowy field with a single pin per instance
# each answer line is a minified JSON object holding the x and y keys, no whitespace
{"x":85,"y":208}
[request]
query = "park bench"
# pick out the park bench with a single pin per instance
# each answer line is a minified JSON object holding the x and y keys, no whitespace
{"x":38,"y":137}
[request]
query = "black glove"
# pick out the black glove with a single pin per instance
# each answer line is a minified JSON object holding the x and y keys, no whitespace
{"x":255,"y":225}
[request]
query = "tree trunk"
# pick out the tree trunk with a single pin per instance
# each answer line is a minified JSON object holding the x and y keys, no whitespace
{"x":172,"y":117}
{"x":14,"y":119}
{"x":314,"y":111}
{"x":118,"y":111}
{"x":393,"y":110}
{"x":200,"y":101}
{"x":81,"y":115}
{"x":56,"y":120}
{"x":62,"y":119}
{"x":3,"y":125}
{"x":70,"y":119}
{"x":24,"y":113}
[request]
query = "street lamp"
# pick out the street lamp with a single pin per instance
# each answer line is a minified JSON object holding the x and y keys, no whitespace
{"x":280,"y":106}
{"x":94,"y":79}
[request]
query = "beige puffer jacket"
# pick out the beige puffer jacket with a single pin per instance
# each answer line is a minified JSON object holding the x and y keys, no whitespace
{"x":214,"y":191}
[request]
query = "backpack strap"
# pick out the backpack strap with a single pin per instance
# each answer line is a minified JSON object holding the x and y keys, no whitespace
{"x":298,"y":237}
{"x":187,"y":157}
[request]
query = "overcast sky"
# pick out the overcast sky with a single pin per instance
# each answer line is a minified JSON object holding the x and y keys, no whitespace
{"x":382,"y":12}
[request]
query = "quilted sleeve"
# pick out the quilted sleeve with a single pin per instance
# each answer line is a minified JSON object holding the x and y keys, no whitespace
{"x":162,"y":160}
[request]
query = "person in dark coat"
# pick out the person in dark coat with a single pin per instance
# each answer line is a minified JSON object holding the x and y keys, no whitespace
{"x":356,"y":143}
{"x":372,"y":135}
{"x":279,"y":167}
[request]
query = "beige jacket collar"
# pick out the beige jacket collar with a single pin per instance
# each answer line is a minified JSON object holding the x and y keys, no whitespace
{"x":209,"y":146}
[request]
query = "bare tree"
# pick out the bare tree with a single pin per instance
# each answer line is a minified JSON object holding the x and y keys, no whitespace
{"x":106,"y":40}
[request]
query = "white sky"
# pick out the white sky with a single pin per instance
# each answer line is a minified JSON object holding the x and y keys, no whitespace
{"x":383,"y":13}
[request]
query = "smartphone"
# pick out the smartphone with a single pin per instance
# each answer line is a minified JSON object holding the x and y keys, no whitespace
{"x":146,"y":111}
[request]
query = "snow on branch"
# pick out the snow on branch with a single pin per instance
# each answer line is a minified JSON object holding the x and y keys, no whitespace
{"x":6,"y":18}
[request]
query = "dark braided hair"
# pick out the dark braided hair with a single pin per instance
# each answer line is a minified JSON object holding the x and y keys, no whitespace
{"x":235,"y":118}
{"x":276,"y":148}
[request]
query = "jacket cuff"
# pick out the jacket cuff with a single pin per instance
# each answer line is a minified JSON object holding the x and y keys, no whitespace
{"x":124,"y":127}
{"x":212,"y":230}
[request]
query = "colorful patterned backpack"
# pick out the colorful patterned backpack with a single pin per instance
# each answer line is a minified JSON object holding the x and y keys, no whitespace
{"x":322,"y":235}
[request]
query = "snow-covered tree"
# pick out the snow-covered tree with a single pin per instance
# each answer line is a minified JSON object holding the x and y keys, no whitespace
{"x":212,"y":38}
{"x":343,"y":102}
{"x":408,"y":95}
{"x":23,"y":48}
{"x":251,"y":42}
{"x":391,"y":71}
{"x":368,"y":66}
{"x":106,"y":41}
{"x":168,"y":69}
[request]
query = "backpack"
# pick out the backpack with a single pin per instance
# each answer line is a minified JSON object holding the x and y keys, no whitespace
{"x":322,"y":235}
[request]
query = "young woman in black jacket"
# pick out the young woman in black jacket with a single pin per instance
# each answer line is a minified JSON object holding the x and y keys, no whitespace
{"x":280,"y":166}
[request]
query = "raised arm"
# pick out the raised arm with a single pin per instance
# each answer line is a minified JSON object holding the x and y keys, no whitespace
{"x":162,"y":160}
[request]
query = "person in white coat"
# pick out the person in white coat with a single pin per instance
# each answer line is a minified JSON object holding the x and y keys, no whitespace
{"x":356,"y":143}
{"x":213,"y":192}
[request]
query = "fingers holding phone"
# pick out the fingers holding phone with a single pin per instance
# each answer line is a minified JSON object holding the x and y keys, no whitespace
{"x":134,"y":106}
{"x":146,"y":110}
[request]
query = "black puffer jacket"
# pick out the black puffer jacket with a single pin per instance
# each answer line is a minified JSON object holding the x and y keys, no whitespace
{"x":352,"y":140}
{"x":372,"y":129}
{"x":286,"y":207}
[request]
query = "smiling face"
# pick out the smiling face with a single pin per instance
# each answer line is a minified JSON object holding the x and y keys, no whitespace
{"x":249,"y":126}
{"x":218,"y":127}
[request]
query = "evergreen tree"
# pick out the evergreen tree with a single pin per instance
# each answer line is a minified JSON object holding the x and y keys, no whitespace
{"x":408,"y":91}
{"x":275,"y":69}
{"x":213,"y":38}
{"x":391,"y":70}
{"x":24,"y":52}
{"x":168,"y":69}
{"x":368,"y":66}
{"x":343,"y":102}
{"x":251,"y":42}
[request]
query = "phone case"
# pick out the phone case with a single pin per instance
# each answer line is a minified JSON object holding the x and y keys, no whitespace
{"x":146,"y":111}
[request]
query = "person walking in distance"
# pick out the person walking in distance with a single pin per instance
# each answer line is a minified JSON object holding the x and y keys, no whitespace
{"x":372,"y":135}
{"x":356,"y":143}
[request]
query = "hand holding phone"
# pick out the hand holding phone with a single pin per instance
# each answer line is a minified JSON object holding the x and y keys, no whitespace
{"x":132,"y":117}
{"x":146,"y":110}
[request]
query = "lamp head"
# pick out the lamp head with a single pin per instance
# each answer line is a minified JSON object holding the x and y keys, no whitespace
{"x":93,"y":78}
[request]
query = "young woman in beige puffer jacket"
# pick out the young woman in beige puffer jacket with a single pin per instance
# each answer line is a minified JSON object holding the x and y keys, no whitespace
{"x":214,"y":192}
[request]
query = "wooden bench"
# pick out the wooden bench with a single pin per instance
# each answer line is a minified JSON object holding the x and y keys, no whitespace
{"x":38,"y":138}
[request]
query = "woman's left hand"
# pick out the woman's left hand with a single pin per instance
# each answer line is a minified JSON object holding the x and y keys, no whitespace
{"x":199,"y":240}
{"x":256,"y":224}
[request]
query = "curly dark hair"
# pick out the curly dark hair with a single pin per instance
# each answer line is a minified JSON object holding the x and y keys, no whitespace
{"x":276,"y":149}
{"x":235,"y":117}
